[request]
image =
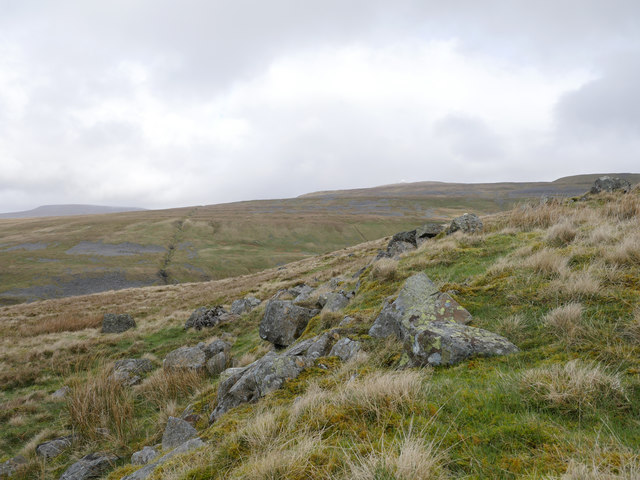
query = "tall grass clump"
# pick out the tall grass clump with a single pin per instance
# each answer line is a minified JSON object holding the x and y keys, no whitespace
{"x":561,"y":234}
{"x":626,"y":208}
{"x":165,"y":386}
{"x":536,"y":215}
{"x":547,"y":262}
{"x":565,"y":322}
{"x":574,"y":387}
{"x":64,"y":322}
{"x":384,"y":269}
{"x":101,"y":402}
{"x":626,"y":253}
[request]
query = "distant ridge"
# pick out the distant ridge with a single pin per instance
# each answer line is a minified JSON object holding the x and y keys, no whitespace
{"x":67,"y":210}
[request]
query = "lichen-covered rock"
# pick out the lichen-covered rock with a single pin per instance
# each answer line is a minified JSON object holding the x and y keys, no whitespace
{"x":90,"y":466}
{"x":283,"y":322}
{"x":610,"y":184}
{"x":215,"y":347}
{"x":117,"y":322}
{"x":188,"y":358}
{"x":144,"y":456}
{"x":427,"y":231}
{"x":467,"y":223}
{"x":217,"y":364}
{"x":345,"y":349}
{"x":447,"y":343}
{"x":334,"y":302}
{"x":128,"y":371}
{"x":9,"y":468}
{"x":244,"y":305}
{"x":148,"y":469}
{"x":419,"y":302}
{"x":176,"y":433}
{"x":256,"y":380}
{"x":55,"y":447}
{"x":204,"y":317}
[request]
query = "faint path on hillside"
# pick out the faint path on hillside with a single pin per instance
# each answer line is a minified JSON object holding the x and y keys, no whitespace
{"x":175,"y":239}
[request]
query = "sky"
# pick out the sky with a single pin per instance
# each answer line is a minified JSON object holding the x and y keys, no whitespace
{"x":158,"y":103}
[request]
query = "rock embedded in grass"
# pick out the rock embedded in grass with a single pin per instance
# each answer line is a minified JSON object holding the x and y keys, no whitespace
{"x":345,"y":349}
{"x":334,"y":302}
{"x":146,"y":471}
{"x":610,"y":184}
{"x":128,"y":371}
{"x":144,"y":456}
{"x":117,"y":322}
{"x":188,"y":358}
{"x":284,"y":322}
{"x":55,"y":447}
{"x":176,"y":433}
{"x":244,"y":305}
{"x":10,"y":467}
{"x":90,"y":466}
{"x":466,"y":223}
{"x":204,"y":317}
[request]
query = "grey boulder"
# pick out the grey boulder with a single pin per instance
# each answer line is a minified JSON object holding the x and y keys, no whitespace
{"x":467,"y":223}
{"x":216,"y":347}
{"x":244,"y":305}
{"x":148,"y":469}
{"x":610,"y":184}
{"x":427,"y":231}
{"x":345,"y":349}
{"x":334,"y":302}
{"x":283,"y":322}
{"x":204,"y":317}
{"x":55,"y":447}
{"x":217,"y":364}
{"x":144,"y":456}
{"x":61,"y":392}
{"x":90,"y":466}
{"x":176,"y":433}
{"x":128,"y":371}
{"x":185,"y":358}
{"x":11,"y":466}
{"x":117,"y":322}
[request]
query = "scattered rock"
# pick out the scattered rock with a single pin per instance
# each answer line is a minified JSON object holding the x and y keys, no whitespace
{"x":217,"y":364}
{"x":345,"y":348}
{"x":11,"y":466}
{"x":346,"y":321}
{"x":418,"y":303}
{"x":61,"y":392}
{"x":148,"y":469}
{"x":334,"y":302}
{"x":448,"y":343}
{"x":244,"y":305}
{"x":90,"y":466}
{"x":144,"y":456}
{"x":253,"y":382}
{"x":188,"y":358}
{"x":117,"y":322}
{"x":55,"y":447}
{"x":128,"y":371}
{"x":176,"y":433}
{"x":467,"y":223}
{"x":204,"y":317}
{"x":610,"y":184}
{"x":431,"y":324}
{"x":215,"y":347}
{"x":283,"y":322}
{"x":427,"y":231}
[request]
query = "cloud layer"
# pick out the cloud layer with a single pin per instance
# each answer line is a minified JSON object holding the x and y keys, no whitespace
{"x":159,"y":104}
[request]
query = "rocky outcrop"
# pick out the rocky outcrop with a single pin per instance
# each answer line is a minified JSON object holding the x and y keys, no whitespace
{"x":345,"y":349}
{"x":144,"y":456}
{"x":176,"y":433}
{"x":117,"y":322}
{"x":283,"y":322}
{"x":185,"y":358}
{"x":467,"y":223}
{"x":244,"y":305}
{"x":148,"y":469}
{"x":427,"y":231}
{"x":406,"y":241}
{"x":129,"y":370}
{"x":610,"y":184}
{"x":334,"y":302}
{"x":432,"y":326}
{"x":204,"y":317}
{"x":90,"y":466}
{"x":55,"y":447}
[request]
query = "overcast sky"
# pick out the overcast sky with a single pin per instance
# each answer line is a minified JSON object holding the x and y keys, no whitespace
{"x":158,"y":103}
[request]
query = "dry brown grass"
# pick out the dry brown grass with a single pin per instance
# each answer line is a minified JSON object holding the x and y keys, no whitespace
{"x":63,"y":322}
{"x":384,"y":269}
{"x":602,"y":471}
{"x":566,"y":322}
{"x":547,"y":262}
{"x":512,"y":327}
{"x":625,"y":208}
{"x":536,"y":215}
{"x":101,"y":402}
{"x":412,"y":458}
{"x":561,"y":234}
{"x":165,"y":386}
{"x":576,"y":285}
{"x":604,"y":234}
{"x":573,"y":387}
{"x":626,"y":253}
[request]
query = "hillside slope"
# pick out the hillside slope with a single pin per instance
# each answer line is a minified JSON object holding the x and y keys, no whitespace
{"x":559,"y":279}
{"x":58,"y":257}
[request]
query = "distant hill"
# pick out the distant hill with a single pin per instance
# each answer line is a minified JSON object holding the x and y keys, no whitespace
{"x":565,"y":186}
{"x":66,"y":210}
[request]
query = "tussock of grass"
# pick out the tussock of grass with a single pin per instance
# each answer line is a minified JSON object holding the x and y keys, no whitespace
{"x":626,"y":208}
{"x":561,"y":234}
{"x":547,"y":262}
{"x":64,"y":322}
{"x":384,"y":269}
{"x":565,"y":322}
{"x":165,"y":386}
{"x":576,"y":285}
{"x":573,"y":387}
{"x":626,"y":253}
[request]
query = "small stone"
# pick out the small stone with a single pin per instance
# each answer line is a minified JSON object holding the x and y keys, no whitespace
{"x":61,"y":392}
{"x":144,"y":456}
{"x":117,"y":322}
{"x":176,"y":433}
{"x":55,"y":447}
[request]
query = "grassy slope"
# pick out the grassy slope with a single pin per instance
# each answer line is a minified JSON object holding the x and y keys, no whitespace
{"x":219,"y":241}
{"x":485,"y":418}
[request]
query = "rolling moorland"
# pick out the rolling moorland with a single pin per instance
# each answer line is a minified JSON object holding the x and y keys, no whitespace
{"x":57,"y":257}
{"x":559,"y":278}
